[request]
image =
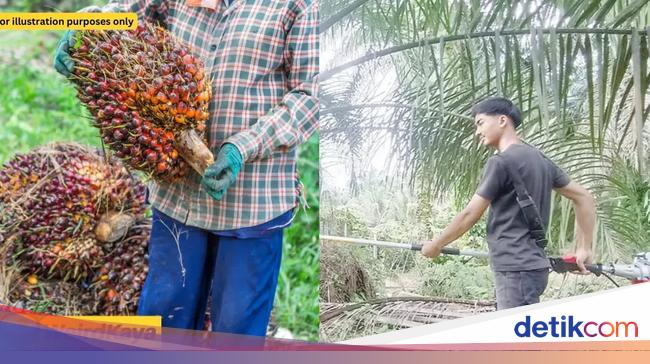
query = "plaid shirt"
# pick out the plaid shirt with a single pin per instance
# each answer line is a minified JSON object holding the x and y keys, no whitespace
{"x":262,"y":56}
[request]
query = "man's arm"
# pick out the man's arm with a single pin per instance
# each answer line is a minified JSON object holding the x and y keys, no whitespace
{"x":458,"y":226}
{"x":585,"y":210}
{"x":295,"y":118}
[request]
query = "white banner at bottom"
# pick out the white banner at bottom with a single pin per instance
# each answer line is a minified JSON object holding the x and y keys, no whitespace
{"x":617,"y":314}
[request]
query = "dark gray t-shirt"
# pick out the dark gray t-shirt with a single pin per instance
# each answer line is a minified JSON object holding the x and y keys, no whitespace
{"x":511,"y":247}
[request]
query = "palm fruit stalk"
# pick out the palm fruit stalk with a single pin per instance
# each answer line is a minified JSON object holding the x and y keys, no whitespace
{"x":118,"y":282}
{"x":51,"y":202}
{"x":148,"y":96}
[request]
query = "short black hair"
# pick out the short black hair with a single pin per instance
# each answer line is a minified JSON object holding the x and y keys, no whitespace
{"x":498,"y":106}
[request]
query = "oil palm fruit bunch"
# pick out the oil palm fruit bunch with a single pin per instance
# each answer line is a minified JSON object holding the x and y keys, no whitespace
{"x":118,"y":282}
{"x":52,"y":202}
{"x":148,"y":96}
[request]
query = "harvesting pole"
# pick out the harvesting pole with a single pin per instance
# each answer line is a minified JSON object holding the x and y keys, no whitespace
{"x":409,"y":246}
{"x":637,"y":272}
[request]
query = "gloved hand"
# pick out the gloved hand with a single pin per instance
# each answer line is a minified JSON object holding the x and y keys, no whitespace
{"x":63,"y":63}
{"x":223,"y":173}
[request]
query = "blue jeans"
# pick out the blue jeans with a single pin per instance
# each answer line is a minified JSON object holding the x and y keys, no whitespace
{"x":238,"y":267}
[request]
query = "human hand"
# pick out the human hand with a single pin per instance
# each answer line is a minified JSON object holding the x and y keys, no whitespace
{"x":223,"y":173}
{"x":63,"y":63}
{"x":431,"y":249}
{"x":583,"y":256}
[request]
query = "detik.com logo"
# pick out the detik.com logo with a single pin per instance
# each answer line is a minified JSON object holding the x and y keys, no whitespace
{"x":568,"y":326}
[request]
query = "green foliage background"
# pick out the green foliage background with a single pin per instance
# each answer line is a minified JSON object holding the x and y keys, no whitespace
{"x":399,"y":78}
{"x":38,"y":106}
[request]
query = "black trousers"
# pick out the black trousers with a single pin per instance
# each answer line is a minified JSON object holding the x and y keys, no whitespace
{"x":519,"y":288}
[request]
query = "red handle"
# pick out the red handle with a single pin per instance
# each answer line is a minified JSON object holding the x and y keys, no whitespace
{"x":569,"y":259}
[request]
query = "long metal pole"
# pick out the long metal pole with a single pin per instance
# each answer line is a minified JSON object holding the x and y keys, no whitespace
{"x":409,"y":246}
{"x":558,"y":263}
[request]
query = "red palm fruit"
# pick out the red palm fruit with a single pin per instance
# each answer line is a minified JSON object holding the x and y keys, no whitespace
{"x":135,"y":150}
{"x":199,"y":75}
{"x":185,"y":94}
{"x":106,"y":47}
{"x":111,"y":294}
{"x":152,"y":156}
{"x":203,"y":96}
{"x":161,"y":167}
{"x":144,"y":139}
{"x":191,"y":69}
{"x":188,"y":59}
{"x":118,"y":135}
{"x":162,"y":97}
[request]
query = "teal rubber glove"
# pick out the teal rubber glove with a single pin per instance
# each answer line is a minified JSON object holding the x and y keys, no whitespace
{"x":63,"y":63}
{"x":223,"y":173}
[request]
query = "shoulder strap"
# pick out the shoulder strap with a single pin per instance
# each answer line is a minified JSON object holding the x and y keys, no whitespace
{"x":526,"y":204}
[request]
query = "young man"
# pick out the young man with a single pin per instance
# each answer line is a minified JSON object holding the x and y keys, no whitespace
{"x":222,"y":233}
{"x":520,"y":265}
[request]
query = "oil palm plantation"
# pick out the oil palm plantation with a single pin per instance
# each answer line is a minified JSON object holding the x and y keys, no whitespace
{"x":408,"y":71}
